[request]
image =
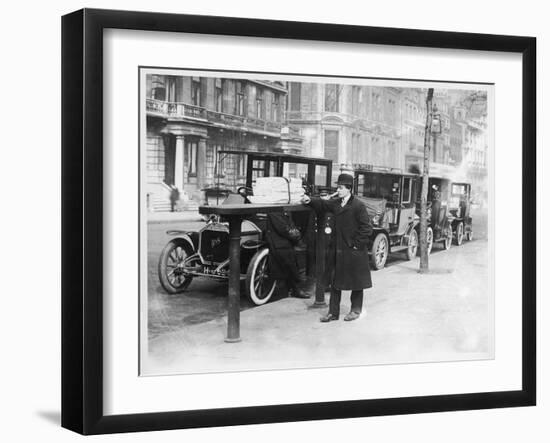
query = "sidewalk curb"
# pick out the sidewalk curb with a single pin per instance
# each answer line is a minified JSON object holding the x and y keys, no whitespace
{"x":160,"y":221}
{"x":173,"y":217}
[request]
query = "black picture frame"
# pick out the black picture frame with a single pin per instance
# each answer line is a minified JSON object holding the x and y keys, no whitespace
{"x":82,"y":219}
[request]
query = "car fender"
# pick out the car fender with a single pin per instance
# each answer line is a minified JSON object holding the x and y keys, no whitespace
{"x":191,"y":238}
{"x":412,"y":226}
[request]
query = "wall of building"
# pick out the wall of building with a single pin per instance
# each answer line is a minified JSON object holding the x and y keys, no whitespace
{"x":380,"y":126}
{"x":155,"y":158}
{"x":244,"y":133}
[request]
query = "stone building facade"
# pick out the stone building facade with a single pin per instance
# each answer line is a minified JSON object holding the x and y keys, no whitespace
{"x":384,"y":127}
{"x":346,"y":123}
{"x":191,"y":119}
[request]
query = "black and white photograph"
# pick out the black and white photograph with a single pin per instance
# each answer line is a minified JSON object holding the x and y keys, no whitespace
{"x":303,"y":221}
{"x":272,"y":222}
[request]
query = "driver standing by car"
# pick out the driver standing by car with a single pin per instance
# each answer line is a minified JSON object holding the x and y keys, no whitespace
{"x":348,"y":251}
{"x":436,"y":206}
{"x":283,"y":237}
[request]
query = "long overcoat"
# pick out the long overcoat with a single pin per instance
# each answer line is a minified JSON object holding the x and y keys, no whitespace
{"x":349,"y":246}
{"x":282,"y":256}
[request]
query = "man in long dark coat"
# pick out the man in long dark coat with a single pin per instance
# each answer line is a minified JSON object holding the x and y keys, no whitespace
{"x":282,"y":238}
{"x":436,"y":206}
{"x":349,"y":251}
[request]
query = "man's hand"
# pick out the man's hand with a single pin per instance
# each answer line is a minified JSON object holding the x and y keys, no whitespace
{"x":305,"y":199}
{"x":330,"y":196}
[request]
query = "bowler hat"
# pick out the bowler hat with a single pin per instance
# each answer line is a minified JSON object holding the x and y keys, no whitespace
{"x":345,"y":179}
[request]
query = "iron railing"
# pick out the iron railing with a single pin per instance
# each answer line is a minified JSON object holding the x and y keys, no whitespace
{"x":183,"y":110}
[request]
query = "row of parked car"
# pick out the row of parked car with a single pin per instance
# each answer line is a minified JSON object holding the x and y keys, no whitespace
{"x":392,"y":199}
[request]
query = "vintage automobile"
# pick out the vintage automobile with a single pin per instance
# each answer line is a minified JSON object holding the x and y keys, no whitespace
{"x":440,"y":228}
{"x":390,"y":197}
{"x":449,"y":212}
{"x":206,"y":253}
{"x":459,"y":208}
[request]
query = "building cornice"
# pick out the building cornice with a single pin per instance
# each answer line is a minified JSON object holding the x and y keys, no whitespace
{"x":269,"y":85}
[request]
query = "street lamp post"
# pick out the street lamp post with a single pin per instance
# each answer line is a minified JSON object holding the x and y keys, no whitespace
{"x":433,"y":127}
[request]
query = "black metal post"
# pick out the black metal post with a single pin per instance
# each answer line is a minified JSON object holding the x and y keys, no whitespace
{"x":424,"y":261}
{"x":320,"y":246}
{"x":234,"y":297}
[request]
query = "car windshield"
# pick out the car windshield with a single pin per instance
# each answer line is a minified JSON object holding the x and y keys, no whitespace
{"x":459,"y":190}
{"x":233,"y":170}
{"x":459,"y":195}
{"x":230,"y":172}
{"x":295,"y":170}
{"x":378,"y":185}
{"x":321,"y":175}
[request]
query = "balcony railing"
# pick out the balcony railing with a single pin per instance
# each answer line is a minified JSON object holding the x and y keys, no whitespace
{"x":227,"y":119}
{"x":183,"y":110}
{"x":291,"y":132}
{"x":156,"y":106}
{"x":174,"y":109}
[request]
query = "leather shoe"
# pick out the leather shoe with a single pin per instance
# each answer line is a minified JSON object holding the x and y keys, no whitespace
{"x":352,"y":316}
{"x":327,"y":318}
{"x":298,"y":293}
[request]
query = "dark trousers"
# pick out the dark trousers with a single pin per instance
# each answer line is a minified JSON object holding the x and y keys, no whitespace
{"x":285,"y":286}
{"x":335,"y":297}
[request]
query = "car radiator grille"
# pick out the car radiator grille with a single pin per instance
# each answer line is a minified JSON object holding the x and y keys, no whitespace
{"x":214,"y":246}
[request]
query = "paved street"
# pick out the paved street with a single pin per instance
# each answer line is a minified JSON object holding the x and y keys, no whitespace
{"x":205,"y":300}
{"x":443,"y":315}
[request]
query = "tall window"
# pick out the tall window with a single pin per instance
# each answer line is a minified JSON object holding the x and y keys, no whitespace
{"x":219,"y":94}
{"x":331,"y":145}
{"x":376,"y":108}
{"x":332,"y":97}
{"x":190,"y":154}
{"x":158,"y":89}
{"x":240,"y":99}
{"x":171,"y":89}
{"x":259,"y":104}
{"x":355,"y":99}
{"x":275,"y":108}
{"x":196,"y":91}
{"x":392,"y":111}
{"x":295,"y":96}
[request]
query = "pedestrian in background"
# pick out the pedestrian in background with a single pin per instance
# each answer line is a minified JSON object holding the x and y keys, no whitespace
{"x":174,"y":197}
{"x":436,"y":206}
{"x":348,"y":251}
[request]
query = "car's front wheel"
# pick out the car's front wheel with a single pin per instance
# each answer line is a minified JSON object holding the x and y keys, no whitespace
{"x":449,"y":238}
{"x":260,"y":286}
{"x":171,"y":267}
{"x":380,"y":251}
{"x":459,"y":233}
{"x":412,"y":245}
{"x":429,"y":239}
